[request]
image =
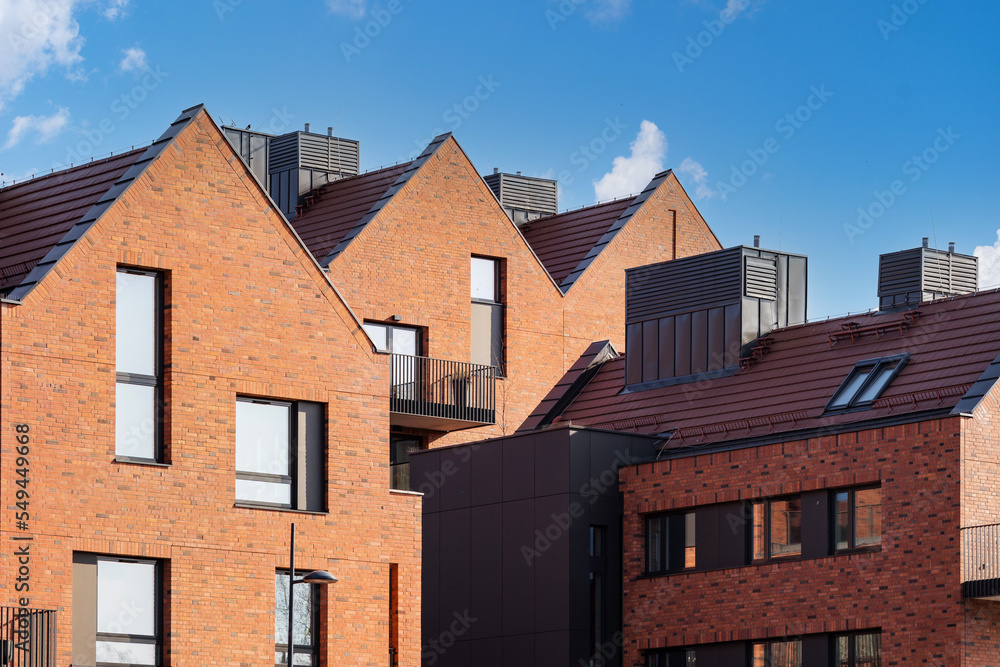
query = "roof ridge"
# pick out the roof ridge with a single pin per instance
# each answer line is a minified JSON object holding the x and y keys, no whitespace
{"x":316,"y":194}
{"x":83,"y":165}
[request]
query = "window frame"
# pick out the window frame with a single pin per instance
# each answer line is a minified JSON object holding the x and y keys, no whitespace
{"x":665,"y":520}
{"x":872,"y":366}
{"x":394,"y":463}
{"x":389,"y":328}
{"x":138,"y":379}
{"x":851,"y":520}
{"x":766,"y":503}
{"x":768,"y":644}
{"x":158,"y":590}
{"x":852,"y":637}
{"x":498,"y":356}
{"x":300,"y":649}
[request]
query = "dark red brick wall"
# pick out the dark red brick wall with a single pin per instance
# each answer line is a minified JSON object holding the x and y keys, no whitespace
{"x":910,"y":588}
{"x":982,"y":634}
{"x":250,"y":313}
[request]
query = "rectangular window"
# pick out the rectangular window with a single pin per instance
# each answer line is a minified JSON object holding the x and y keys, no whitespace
{"x":117,"y":610}
{"x":675,"y":657}
{"x":862,"y":649}
{"x":866,"y":382}
{"x":858,"y":518}
{"x":138,"y":365}
{"x":305,"y":623}
{"x":400,"y":448}
{"x":777,"y":653}
{"x":487,"y":313}
{"x":280,"y":454}
{"x":777,"y":528}
{"x":405,"y":342}
{"x":597,"y":550}
{"x":670,"y":543}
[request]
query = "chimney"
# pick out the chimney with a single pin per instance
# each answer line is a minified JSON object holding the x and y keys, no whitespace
{"x":694,"y":318}
{"x":909,"y":277}
{"x":926,"y":242}
{"x":756,"y":240}
{"x":329,"y":131}
{"x":524,"y":198}
{"x":307,"y":127}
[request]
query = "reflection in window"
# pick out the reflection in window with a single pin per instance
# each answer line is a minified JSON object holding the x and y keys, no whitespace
{"x":859,"y":650}
{"x":400,"y":448}
{"x":858,"y":520}
{"x":127,"y":604}
{"x":137,"y":365}
{"x":777,"y":654}
{"x":263,"y":451}
{"x":866,"y":382}
{"x":304,"y":625}
{"x":487,"y":313}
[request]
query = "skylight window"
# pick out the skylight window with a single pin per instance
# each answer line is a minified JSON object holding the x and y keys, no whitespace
{"x":866,"y":382}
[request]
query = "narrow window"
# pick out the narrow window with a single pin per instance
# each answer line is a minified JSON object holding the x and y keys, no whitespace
{"x":597,"y":550}
{"x":138,"y":362}
{"x":304,"y":624}
{"x":858,"y":521}
{"x":400,"y":448}
{"x":670,"y":543}
{"x":777,"y":654}
{"x":117,"y":611}
{"x":777,"y":528}
{"x":689,"y":543}
{"x":656,"y":544}
{"x":393,"y":615}
{"x":487,"y":313}
{"x":280,"y":454}
{"x":862,"y":649}
{"x":866,"y":382}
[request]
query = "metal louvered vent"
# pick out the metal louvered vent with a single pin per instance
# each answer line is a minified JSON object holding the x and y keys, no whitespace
{"x":909,"y":277}
{"x":524,"y":198}
{"x":761,"y":278}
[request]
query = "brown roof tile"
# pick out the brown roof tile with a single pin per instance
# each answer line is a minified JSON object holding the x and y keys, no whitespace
{"x":951,"y":345}
{"x":35,"y":215}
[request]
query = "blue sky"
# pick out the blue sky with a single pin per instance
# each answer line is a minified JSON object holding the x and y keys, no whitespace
{"x":837,"y":130}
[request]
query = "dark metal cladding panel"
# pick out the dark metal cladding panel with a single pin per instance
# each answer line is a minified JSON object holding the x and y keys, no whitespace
{"x":716,"y":339}
{"x":732,"y":527}
{"x":650,"y":349}
{"x":551,"y":463}
{"x":681,"y":285}
{"x":761,"y":278}
{"x":487,"y":478}
{"x":815,"y":524}
{"x":666,"y":351}
{"x":734,"y":654}
{"x":551,"y":595}
{"x":751,"y":320}
{"x":517,"y":574}
{"x":313,"y":418}
{"x":552,"y":648}
{"x":796,"y":297}
{"x":768,"y":316}
{"x":633,"y":353}
{"x":519,"y":650}
{"x":699,"y":341}
{"x":425,"y":467}
{"x":456,"y":489}
{"x":431,"y":578}
{"x":734,"y":332}
{"x":816,"y":650}
{"x":538,"y":195}
{"x":518,"y":474}
{"x":706,"y":529}
{"x":682,"y":344}
{"x":284,"y":153}
{"x":486,"y":591}
{"x":781,"y":282}
{"x":456,"y":563}
{"x":486,"y":652}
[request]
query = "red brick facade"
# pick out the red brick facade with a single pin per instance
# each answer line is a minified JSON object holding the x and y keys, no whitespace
{"x":249,"y":312}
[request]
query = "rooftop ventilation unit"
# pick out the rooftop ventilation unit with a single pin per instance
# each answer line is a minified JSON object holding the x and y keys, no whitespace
{"x":524,"y":198}
{"x":909,"y":277}
{"x":292,"y":164}
{"x":698,"y":317}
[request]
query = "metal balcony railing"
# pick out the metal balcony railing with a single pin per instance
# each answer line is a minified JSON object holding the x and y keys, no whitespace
{"x":443,"y":390}
{"x":981,"y":561}
{"x":27,"y":637}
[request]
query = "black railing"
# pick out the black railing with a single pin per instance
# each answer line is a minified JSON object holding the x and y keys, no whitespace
{"x":27,"y":637}
{"x":443,"y":389}
{"x":981,"y":561}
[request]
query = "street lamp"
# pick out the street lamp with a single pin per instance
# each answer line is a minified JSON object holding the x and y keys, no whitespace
{"x":317,"y":577}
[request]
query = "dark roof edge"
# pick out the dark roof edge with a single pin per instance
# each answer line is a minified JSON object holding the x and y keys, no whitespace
{"x":528,"y":434}
{"x":607,"y":353}
{"x":57,"y":252}
{"x":978,"y":391}
{"x":804,"y":434}
{"x":377,"y":207}
{"x":616,"y":227}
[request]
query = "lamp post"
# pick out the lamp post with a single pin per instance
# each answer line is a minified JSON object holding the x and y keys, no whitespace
{"x":317,"y":577}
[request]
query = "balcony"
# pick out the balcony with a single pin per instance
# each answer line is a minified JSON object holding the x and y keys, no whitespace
{"x":27,"y":637}
{"x":441,"y":395}
{"x":981,"y":562}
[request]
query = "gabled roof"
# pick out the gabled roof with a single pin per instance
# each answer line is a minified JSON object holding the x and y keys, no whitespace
{"x":568,"y":243}
{"x":570,"y":386}
{"x":953,"y":346}
{"x":35,"y":215}
{"x":90,"y":190}
{"x":341,"y":210}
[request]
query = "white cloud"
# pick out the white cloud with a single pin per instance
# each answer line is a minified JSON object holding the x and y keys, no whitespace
{"x":608,"y":11}
{"x":631,"y":174}
{"x":134,"y":60}
{"x":115,"y":9}
{"x":45,"y":127}
{"x":354,"y":9}
{"x":989,"y":263}
{"x":34,"y":36}
{"x":734,"y":8}
{"x":700,"y":177}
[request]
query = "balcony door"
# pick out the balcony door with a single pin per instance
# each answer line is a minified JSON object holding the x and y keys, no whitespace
{"x":404,"y":342}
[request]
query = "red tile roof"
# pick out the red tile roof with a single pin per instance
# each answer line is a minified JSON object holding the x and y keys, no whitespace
{"x":562,"y":241}
{"x":337,"y":207}
{"x":35,"y":215}
{"x":951,"y":344}
{"x":572,"y":382}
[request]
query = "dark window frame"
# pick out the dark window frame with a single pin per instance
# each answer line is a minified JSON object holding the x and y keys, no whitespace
{"x":155,"y":381}
{"x":768,"y":644}
{"x":389,"y":327}
{"x":394,"y":462}
{"x":156,"y":639}
{"x":293,"y":461}
{"x":663,"y":521}
{"x":766,"y":528}
{"x":852,"y":547}
{"x":302,"y":649}
{"x":499,"y":360}
{"x":873,"y":368}
{"x":852,"y":657}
